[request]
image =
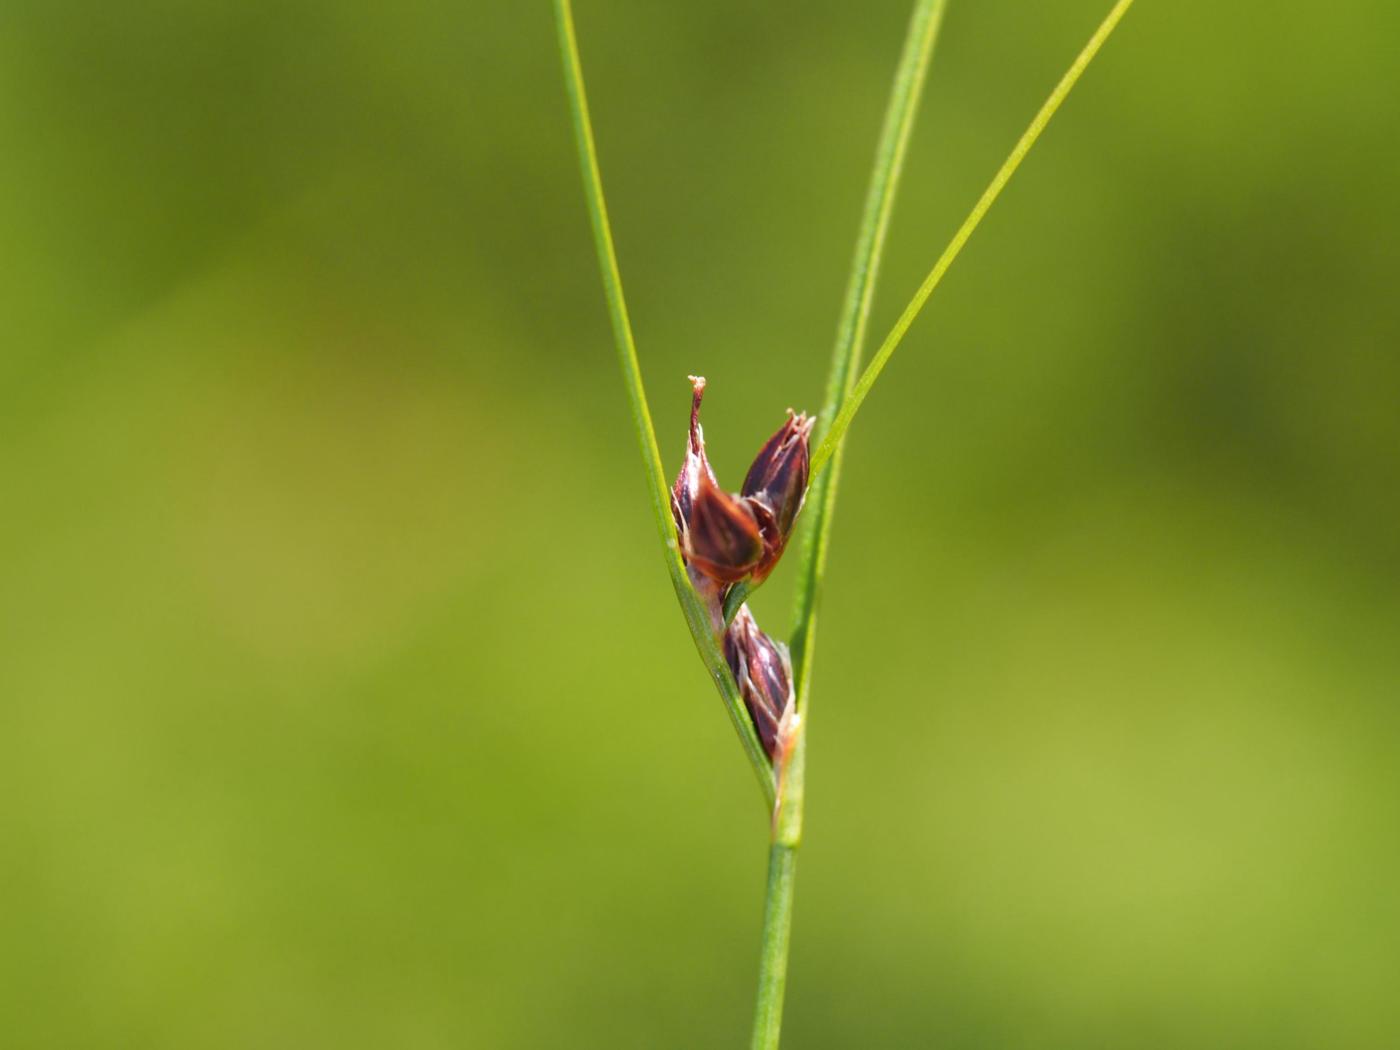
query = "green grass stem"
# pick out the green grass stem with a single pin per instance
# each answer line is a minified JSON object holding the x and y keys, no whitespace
{"x":850,"y":335}
{"x":696,"y":618}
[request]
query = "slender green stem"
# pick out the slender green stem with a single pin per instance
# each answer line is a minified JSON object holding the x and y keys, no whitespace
{"x":777,"y":931}
{"x":831,"y":443}
{"x":696,"y":617}
{"x":860,"y":291}
{"x":854,"y":322}
{"x":879,"y":202}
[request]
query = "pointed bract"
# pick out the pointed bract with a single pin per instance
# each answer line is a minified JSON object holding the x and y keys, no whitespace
{"x":696,"y":464}
{"x":719,"y":534}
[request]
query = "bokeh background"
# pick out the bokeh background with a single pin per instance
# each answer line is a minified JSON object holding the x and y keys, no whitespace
{"x":343,"y":698}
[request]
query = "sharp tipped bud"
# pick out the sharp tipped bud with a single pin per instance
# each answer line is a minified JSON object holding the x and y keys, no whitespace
{"x":775,"y":486}
{"x":764,"y":675}
{"x":696,"y":464}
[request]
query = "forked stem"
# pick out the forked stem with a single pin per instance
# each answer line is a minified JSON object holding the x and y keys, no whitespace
{"x":843,"y":398}
{"x":831,"y":443}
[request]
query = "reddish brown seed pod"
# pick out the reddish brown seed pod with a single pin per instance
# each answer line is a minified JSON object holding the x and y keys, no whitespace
{"x":723,"y":539}
{"x":719,"y":534}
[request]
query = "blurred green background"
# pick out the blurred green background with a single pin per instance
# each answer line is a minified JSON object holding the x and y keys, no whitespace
{"x":343,"y":698}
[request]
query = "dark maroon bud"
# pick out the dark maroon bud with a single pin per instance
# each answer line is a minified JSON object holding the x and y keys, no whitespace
{"x":775,"y":486}
{"x":719,"y":535}
{"x":764,"y":675}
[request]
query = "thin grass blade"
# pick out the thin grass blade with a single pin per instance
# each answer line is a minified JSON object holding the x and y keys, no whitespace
{"x":697,"y":619}
{"x":831,"y":442}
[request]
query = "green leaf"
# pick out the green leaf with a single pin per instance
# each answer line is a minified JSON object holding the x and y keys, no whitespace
{"x":696,"y":616}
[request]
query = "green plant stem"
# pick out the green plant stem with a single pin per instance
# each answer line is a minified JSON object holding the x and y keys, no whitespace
{"x":696,"y":616}
{"x":850,"y":335}
{"x":831,"y":443}
{"x":853,"y":325}
{"x":777,"y":932}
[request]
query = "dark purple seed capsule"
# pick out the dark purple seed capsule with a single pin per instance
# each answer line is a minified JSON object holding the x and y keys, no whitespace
{"x":775,"y":486}
{"x":764,"y":676}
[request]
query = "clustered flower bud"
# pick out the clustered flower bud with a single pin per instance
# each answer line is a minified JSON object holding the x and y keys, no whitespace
{"x":727,"y":539}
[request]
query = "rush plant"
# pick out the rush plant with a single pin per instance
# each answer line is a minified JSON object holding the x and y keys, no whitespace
{"x":718,"y":546}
